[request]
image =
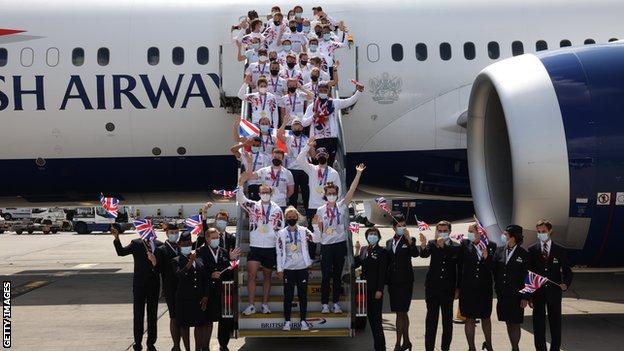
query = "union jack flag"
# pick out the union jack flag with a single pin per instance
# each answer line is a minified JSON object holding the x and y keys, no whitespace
{"x":383,"y":204}
{"x":194,"y":224}
{"x":145,"y":229}
{"x":532,"y":282}
{"x":422,"y":226}
{"x":354,"y":228}
{"x":234,"y":264}
{"x":111,"y":205}
{"x":246,"y":129}
{"x":484,"y":241}
{"x":228,"y":194}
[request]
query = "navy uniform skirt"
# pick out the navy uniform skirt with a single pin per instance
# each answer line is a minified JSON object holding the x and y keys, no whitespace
{"x":400,"y":296}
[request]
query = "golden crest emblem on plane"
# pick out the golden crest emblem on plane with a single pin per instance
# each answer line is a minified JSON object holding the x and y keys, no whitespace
{"x":385,"y":89}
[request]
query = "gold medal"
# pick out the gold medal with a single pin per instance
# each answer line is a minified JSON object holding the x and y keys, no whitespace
{"x":263,"y":114}
{"x":320,"y":190}
{"x":293,"y":247}
{"x":262,"y":229}
{"x":329,"y":231}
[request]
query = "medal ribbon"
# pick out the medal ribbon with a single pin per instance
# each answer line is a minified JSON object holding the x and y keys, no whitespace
{"x":296,"y":239}
{"x":331,"y":214}
{"x":276,"y":178}
{"x":292,"y":104}
{"x":322,"y":176}
{"x":266,"y":214}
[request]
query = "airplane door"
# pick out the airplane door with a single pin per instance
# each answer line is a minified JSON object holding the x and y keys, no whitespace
{"x":348,"y":69}
{"x":231,"y":71}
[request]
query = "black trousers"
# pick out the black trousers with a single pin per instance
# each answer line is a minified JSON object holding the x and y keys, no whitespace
{"x":543,"y":301}
{"x":301,"y":186}
{"x":332,"y":262}
{"x":436,"y":302}
{"x":297,"y":278}
{"x":310,"y":212}
{"x":226,"y":325}
{"x":374,"y":320}
{"x":142,"y":295}
{"x":331,"y":145}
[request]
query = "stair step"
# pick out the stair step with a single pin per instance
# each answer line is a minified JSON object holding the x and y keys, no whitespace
{"x":294,"y":315}
{"x":278,"y":306}
{"x":278,"y":333}
{"x":278,"y":290}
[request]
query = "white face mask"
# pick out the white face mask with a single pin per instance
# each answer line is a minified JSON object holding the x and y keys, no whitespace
{"x":263,"y":58}
{"x":262,"y":90}
{"x":265,"y":197}
{"x":543,"y":237}
{"x":332,"y":198}
{"x":186,"y":250}
{"x":173,"y":237}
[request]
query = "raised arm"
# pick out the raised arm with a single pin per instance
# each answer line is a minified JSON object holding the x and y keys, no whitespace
{"x":302,"y":158}
{"x":359,"y":169}
{"x":309,"y":94}
{"x":241,"y":57}
{"x":235,"y":130}
{"x":242,"y":92}
{"x":281,"y":132}
{"x":344,"y":103}
{"x":123,"y":250}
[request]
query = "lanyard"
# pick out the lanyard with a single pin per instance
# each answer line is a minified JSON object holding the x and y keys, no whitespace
{"x":322,"y":177}
{"x":171,"y":247}
{"x":266,"y":214}
{"x":395,"y":243}
{"x":331,"y":214}
{"x":274,"y":83}
{"x":215,"y":254}
{"x":296,"y":238}
{"x":270,"y":141}
{"x":276,"y":178}
{"x":256,"y":160}
{"x":292,"y":103}
{"x":315,"y":89}
{"x":298,"y":145}
{"x":263,"y":67}
{"x":263,"y":102}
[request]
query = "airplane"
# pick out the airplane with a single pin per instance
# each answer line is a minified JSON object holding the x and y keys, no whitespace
{"x":132,"y":97}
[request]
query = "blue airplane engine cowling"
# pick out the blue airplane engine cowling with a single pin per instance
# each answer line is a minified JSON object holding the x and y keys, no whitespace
{"x":546,"y":140}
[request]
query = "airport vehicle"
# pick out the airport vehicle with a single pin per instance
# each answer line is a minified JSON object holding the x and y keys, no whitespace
{"x":418,"y":60}
{"x":89,"y":219}
{"x":9,"y":213}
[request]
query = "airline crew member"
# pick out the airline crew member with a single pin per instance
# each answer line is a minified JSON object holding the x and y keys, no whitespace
{"x":216,"y":259}
{"x":164,"y":254}
{"x":510,"y":270}
{"x":226,"y":240}
{"x":145,"y":285}
{"x":293,"y":261}
{"x":278,"y":178}
{"x":374,"y":262}
{"x":296,"y":142}
{"x":440,"y":284}
{"x":265,"y":220}
{"x":549,"y":260}
{"x":329,"y":230}
{"x":321,"y":115}
{"x":475,"y":286}
{"x":401,"y":248}
{"x":191,"y":299}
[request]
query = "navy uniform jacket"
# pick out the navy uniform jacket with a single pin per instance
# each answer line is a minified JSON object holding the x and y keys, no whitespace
{"x":442,"y":273}
{"x":475,"y":274}
{"x":164,"y":255}
{"x":223,"y":262}
{"x":400,"y":268}
{"x":144,"y":271}
{"x":192,"y":283}
{"x":226,"y":241}
{"x":557,"y":268}
{"x":374,"y":267}
{"x":509,"y":277}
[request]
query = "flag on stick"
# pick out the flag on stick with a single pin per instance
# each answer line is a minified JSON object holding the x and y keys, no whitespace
{"x":227,"y":194}
{"x":233,"y":266}
{"x":354,"y":228}
{"x":145,"y":229}
{"x":532,"y":282}
{"x":194,"y":224}
{"x":110,"y":204}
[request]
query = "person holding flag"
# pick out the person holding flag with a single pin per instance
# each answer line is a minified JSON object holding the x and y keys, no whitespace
{"x":145,"y":283}
{"x":550,"y":260}
{"x":278,"y":177}
{"x":165,"y":253}
{"x":401,"y":249}
{"x":252,"y":161}
{"x":510,"y":268}
{"x":329,"y":231}
{"x":474,"y":280}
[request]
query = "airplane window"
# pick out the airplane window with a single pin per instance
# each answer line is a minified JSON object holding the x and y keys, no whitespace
{"x":103,"y":56}
{"x":397,"y":52}
{"x":565,"y":43}
{"x":3,"y":57}
{"x":177,"y":55}
{"x":52,"y":57}
{"x":445,"y":51}
{"x":612,"y":40}
{"x":469,"y":51}
{"x":372,"y":52}
{"x":421,"y":52}
{"x":517,"y":48}
{"x":202,"y":55}
{"x":541,"y":45}
{"x":493,"y":50}
{"x":78,"y":56}
{"x":589,"y":41}
{"x":27,"y":56}
{"x":153,"y":56}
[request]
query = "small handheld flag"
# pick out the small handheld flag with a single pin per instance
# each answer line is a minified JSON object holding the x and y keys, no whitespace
{"x":484,"y":241}
{"x":228,"y":194}
{"x":145,"y":229}
{"x":383,"y":204}
{"x":233,"y":266}
{"x":354,"y":228}
{"x":194,"y":224}
{"x":422,"y":226}
{"x":110,"y":204}
{"x":355,"y":82}
{"x":532,"y":282}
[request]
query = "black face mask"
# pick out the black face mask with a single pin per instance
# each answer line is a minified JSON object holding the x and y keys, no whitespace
{"x":322,"y":160}
{"x":274,"y":72}
{"x":291,"y":222}
{"x":319,"y":34}
{"x":291,"y":64}
{"x":293,"y":29}
{"x":314,"y":78}
{"x":303,"y":63}
{"x":277,"y":23}
{"x":292,"y":89}
{"x":272,"y":59}
{"x":297,"y":132}
{"x":277,"y":162}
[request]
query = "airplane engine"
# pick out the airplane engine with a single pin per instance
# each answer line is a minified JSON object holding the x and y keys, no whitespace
{"x":546,"y":140}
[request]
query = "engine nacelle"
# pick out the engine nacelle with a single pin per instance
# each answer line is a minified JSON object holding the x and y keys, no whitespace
{"x":546,"y":140}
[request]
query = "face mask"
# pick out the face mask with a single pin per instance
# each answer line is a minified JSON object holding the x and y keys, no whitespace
{"x":298,"y":14}
{"x":372,"y":239}
{"x":274,"y":72}
{"x":255,"y":149}
{"x":303,"y":63}
{"x":293,"y":29}
{"x":444,"y":235}
{"x":327,"y":36}
{"x":292,"y":89}
{"x":504,"y":239}
{"x":291,"y":64}
{"x":332,"y":198}
{"x":262,"y":90}
{"x":297,"y":132}
{"x":306,"y":29}
{"x":255,"y":46}
{"x":286,"y":47}
{"x":173,"y":238}
{"x":323,"y":96}
{"x":277,"y":23}
{"x":470,"y":236}
{"x":185,"y":250}
{"x":265,"y":197}
{"x":400,"y":231}
{"x":318,"y":34}
{"x":221,"y":224}
{"x":262,"y":58}
{"x":313,"y":48}
{"x":264,"y":128}
{"x":314,"y":78}
{"x":542,"y":236}
{"x":322,"y":160}
{"x":272,"y":59}
{"x":277,"y":162}
{"x":291,"y":222}
{"x":214,"y":243}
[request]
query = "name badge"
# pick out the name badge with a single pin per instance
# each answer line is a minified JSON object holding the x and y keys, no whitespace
{"x":555,"y":260}
{"x":519,"y":259}
{"x":404,"y":246}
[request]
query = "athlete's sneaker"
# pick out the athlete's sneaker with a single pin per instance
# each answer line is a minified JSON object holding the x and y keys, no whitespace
{"x":325,"y":309}
{"x":305,"y":326}
{"x":336,"y":309}
{"x":286,"y":326}
{"x":251,"y":309}
{"x":265,"y":309}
